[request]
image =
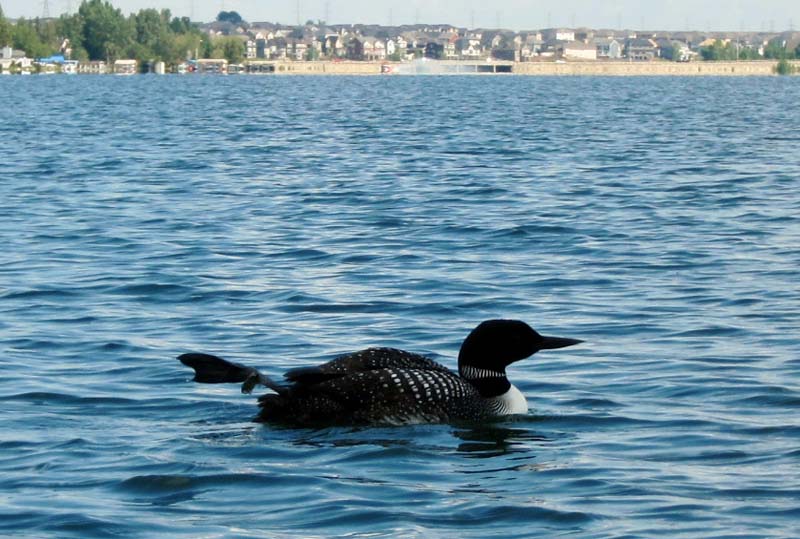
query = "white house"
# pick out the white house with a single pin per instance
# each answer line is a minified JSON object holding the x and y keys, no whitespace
{"x":580,"y":50}
{"x":558,"y":34}
{"x":10,"y":56}
{"x":250,"y":49}
{"x":608,"y":47}
{"x":469,"y":48}
{"x":125,"y":67}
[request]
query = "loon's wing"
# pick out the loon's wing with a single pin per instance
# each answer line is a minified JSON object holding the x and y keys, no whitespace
{"x":375,"y":396}
{"x":366,"y":360}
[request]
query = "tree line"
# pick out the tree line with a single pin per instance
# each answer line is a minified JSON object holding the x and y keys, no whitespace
{"x":99,"y":31}
{"x":774,"y":50}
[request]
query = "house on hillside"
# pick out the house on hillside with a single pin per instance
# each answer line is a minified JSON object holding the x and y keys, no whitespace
{"x":434,"y":50}
{"x":355,"y":48}
{"x":558,"y":34}
{"x":529,"y":45}
{"x":641,"y":49}
{"x":578,"y":50}
{"x":469,"y":48}
{"x":15,"y":57}
{"x":250,"y":49}
{"x":450,"y":50}
{"x":608,"y":48}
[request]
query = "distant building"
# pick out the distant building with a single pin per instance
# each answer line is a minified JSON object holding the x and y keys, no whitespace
{"x":580,"y":51}
{"x":70,"y":67}
{"x":558,"y":34}
{"x":641,"y":50}
{"x":15,"y":57}
{"x":434,"y":50}
{"x":125,"y":67}
{"x":216,"y":66}
{"x":251,"y":49}
{"x":608,"y":47}
{"x":469,"y":48}
{"x":355,"y":49}
{"x":95,"y":67}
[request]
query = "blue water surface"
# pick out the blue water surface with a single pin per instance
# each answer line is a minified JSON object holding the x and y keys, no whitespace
{"x":279,"y":221}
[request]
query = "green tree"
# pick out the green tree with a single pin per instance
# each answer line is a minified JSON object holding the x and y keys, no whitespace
{"x":106,"y":32}
{"x":206,"y":47}
{"x":186,"y":46}
{"x":312,"y":54}
{"x":5,"y":30}
{"x":776,"y":50}
{"x":48,"y":35}
{"x":71,"y":27}
{"x":674,"y":51}
{"x":182,"y":25}
{"x":719,"y":51}
{"x":229,"y":16}
{"x":154,"y":34}
{"x":785,"y":67}
{"x":27,"y":39}
{"x":229,"y":47}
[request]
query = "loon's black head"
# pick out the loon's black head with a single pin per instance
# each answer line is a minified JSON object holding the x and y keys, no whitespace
{"x":494,"y":345}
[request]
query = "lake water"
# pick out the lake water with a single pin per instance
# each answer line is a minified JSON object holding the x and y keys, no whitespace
{"x":281,"y":221}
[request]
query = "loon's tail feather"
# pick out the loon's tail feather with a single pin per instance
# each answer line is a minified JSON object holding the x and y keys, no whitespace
{"x":272,"y":408}
{"x":210,"y":369}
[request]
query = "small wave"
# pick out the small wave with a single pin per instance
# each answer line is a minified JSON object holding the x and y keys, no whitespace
{"x":63,"y":398}
{"x":790,"y":400}
{"x":711,"y":331}
{"x":45,"y":293}
{"x":170,"y":483}
{"x":593,"y":402}
{"x":525,"y":231}
{"x":517,"y":514}
{"x":152,"y":289}
{"x":61,"y":523}
{"x":301,"y":254}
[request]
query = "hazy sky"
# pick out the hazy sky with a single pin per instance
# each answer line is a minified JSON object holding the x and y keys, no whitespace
{"x":775,"y":15}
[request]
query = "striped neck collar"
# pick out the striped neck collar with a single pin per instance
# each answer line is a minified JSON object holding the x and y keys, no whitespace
{"x":473,"y":373}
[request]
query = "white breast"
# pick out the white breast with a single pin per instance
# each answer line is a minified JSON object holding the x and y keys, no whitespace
{"x":511,"y":402}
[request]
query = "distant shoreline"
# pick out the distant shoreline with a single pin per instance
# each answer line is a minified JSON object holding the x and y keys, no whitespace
{"x":570,"y":68}
{"x":486,"y":67}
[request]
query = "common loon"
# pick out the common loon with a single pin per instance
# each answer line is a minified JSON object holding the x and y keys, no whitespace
{"x":390,"y":386}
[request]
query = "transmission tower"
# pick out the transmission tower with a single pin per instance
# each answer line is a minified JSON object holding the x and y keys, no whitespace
{"x":45,"y":9}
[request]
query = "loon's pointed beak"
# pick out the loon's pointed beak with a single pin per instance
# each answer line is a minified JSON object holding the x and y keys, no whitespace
{"x":548,"y":343}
